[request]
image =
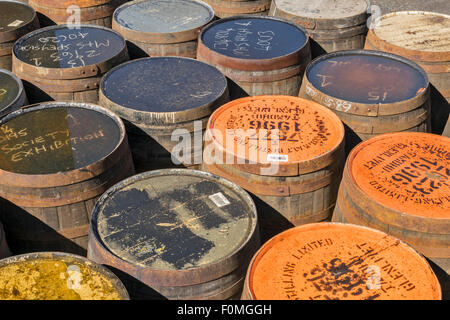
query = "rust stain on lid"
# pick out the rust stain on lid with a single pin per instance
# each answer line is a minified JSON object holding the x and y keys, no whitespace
{"x":339,"y":261}
{"x":407,"y":172}
{"x":306,"y":130}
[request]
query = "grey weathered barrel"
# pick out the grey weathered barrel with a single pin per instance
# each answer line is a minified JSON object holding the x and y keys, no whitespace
{"x":261,"y":55}
{"x":423,"y":37}
{"x":12,"y":93}
{"x":162,"y":27}
{"x":56,"y":160}
{"x":186,"y":234}
{"x":166,"y":102}
{"x":372,"y":92}
{"x":334,"y":25}
{"x":4,"y":249}
{"x":229,"y":8}
{"x":65,"y":64}
{"x":57,"y":276}
{"x":16,"y":20}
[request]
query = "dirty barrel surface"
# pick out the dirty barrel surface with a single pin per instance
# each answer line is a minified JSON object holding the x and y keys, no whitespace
{"x":229,"y":8}
{"x":12,"y":93}
{"x":166,"y":103}
{"x":57,"y":276}
{"x":371,"y":92}
{"x":186,"y":234}
{"x":56,"y":160}
{"x":288,"y":152}
{"x":332,"y":24}
{"x":260,"y":55}
{"x":399,"y":183}
{"x":423,"y":37}
{"x":16,"y":20}
{"x":162,"y":27}
{"x":64,"y":64}
{"x":333,"y":261}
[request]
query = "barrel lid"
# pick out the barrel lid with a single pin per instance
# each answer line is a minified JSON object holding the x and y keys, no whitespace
{"x":408,"y":172}
{"x":163,"y":16}
{"x":324,"y":261}
{"x":423,"y":31}
{"x":60,"y":47}
{"x":366,"y":77}
{"x":57,"y":137}
{"x":14,"y":15}
{"x":308,"y":132}
{"x":174,"y":220}
{"x":253,"y":43}
{"x":57,"y":276}
{"x":325,"y":13}
{"x":11,"y":89}
{"x":166,"y":89}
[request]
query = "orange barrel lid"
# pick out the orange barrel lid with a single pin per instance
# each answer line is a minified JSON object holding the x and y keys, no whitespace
{"x":407,"y":172}
{"x":339,"y":261}
{"x":297,"y":134}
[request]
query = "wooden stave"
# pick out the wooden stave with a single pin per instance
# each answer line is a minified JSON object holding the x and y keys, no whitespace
{"x":226,"y":9}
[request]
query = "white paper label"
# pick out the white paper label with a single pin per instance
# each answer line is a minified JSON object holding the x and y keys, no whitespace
{"x":219,"y":199}
{"x":278,"y":157}
{"x":15,"y":23}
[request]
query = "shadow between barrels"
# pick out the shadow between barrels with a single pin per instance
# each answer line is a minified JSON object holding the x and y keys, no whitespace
{"x":443,"y":278}
{"x":45,"y":21}
{"x":351,"y":139}
{"x":440,"y":110}
{"x":25,"y":233}
{"x":35,"y":94}
{"x":135,"y":52}
{"x":316,"y":49}
{"x":236,"y":92}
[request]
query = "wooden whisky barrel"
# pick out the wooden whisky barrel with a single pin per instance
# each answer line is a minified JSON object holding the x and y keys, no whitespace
{"x":334,"y":261}
{"x":56,"y":160}
{"x":166,"y":103}
{"x":64,"y":64}
{"x":399,"y":183}
{"x":260,"y":55}
{"x":371,"y":92}
{"x":4,"y":249}
{"x":333,"y":25}
{"x":195,"y":236}
{"x":423,"y":37}
{"x":93,"y":12}
{"x":294,"y":174}
{"x":16,"y":20}
{"x":57,"y":276}
{"x":162,"y":27}
{"x":229,"y":8}
{"x":12,"y":93}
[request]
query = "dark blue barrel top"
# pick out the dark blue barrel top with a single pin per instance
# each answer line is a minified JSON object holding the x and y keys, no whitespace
{"x":253,"y":38}
{"x":163,"y":84}
{"x":163,"y":16}
{"x":367,"y":77}
{"x":62,"y":47}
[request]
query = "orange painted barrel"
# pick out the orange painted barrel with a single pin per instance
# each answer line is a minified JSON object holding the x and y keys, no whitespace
{"x":16,"y":20}
{"x":333,"y":261}
{"x":399,"y":183}
{"x":94,"y":12}
{"x":286,"y":151}
{"x":372,"y":92}
{"x":4,"y":250}
{"x":423,"y":37}
{"x":229,"y":8}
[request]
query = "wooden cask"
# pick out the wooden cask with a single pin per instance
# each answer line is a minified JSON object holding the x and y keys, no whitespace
{"x":93,"y":12}
{"x":4,"y":249}
{"x":12,"y":93}
{"x":334,"y":261}
{"x":56,"y":160}
{"x":229,"y":8}
{"x":371,"y":92}
{"x":260,"y":55}
{"x":57,"y":276}
{"x":332,"y":24}
{"x":195,"y":235}
{"x":63,"y":64}
{"x":286,"y":151}
{"x":399,"y":183}
{"x":162,"y":27}
{"x":423,"y":37}
{"x":16,"y":20}
{"x":165,"y":103}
